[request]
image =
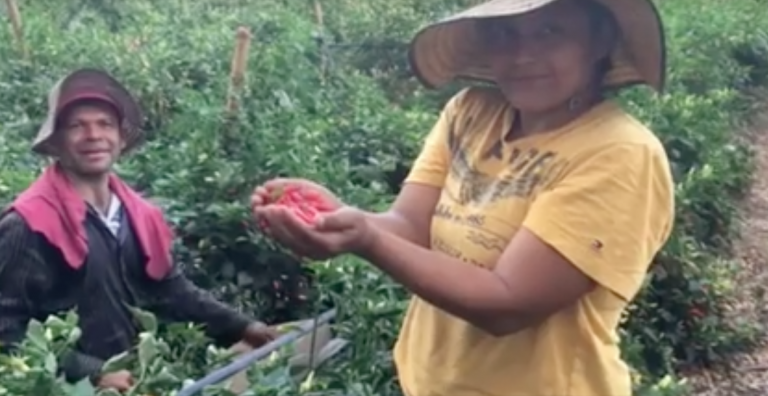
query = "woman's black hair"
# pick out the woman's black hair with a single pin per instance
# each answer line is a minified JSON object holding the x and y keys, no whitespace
{"x":602,"y":24}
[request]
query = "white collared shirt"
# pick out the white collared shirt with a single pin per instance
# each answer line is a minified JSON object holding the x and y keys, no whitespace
{"x":112,"y":218}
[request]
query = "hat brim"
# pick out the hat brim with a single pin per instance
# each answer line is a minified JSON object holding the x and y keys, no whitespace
{"x":89,"y":83}
{"x":447,"y":50}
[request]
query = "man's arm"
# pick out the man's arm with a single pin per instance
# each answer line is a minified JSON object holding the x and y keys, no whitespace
{"x":18,"y":268}
{"x":77,"y":365}
{"x":24,"y":273}
{"x":177,"y":298}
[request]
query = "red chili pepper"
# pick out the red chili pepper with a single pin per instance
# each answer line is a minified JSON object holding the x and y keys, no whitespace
{"x":317,"y":201}
{"x":697,"y":312}
{"x":274,"y":195}
{"x":306,"y":213}
{"x":306,"y":205}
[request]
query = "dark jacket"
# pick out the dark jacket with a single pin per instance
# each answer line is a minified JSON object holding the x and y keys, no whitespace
{"x":35,"y":282}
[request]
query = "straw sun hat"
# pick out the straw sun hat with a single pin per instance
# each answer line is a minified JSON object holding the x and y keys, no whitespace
{"x":446,"y":50}
{"x":90,"y":84}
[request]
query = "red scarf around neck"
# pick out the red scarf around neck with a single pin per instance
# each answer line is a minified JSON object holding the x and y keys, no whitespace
{"x":52,"y":207}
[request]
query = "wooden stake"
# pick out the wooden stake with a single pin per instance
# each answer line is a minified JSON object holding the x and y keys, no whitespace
{"x":319,"y":15}
{"x":239,"y":65}
{"x":321,"y":38}
{"x":18,"y":31}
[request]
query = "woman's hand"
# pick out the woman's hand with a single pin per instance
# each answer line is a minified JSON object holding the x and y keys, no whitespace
{"x":334,"y":229}
{"x":266,"y":193}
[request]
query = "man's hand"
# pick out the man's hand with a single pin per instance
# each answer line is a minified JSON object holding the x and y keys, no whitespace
{"x":258,"y":334}
{"x":120,"y":381}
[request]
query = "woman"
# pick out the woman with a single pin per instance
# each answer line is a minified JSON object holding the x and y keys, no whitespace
{"x":534,"y":210}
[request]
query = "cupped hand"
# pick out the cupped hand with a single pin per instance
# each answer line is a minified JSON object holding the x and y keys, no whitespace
{"x":272,"y":190}
{"x":344,"y":230}
{"x":285,"y":209}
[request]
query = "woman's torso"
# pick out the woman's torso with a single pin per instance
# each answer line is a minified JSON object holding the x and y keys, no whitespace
{"x":486,"y":196}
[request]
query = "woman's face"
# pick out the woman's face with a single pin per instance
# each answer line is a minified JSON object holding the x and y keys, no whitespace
{"x":542,"y":59}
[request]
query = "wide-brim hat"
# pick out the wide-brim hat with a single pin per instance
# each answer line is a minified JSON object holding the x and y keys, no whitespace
{"x":447,"y":50}
{"x":90,"y":84}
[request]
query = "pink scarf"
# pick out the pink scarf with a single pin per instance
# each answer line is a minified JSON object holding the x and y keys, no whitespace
{"x":52,"y":207}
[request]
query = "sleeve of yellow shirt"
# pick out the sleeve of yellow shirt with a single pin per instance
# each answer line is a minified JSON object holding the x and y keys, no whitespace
{"x":433,"y":163}
{"x":609,"y":215}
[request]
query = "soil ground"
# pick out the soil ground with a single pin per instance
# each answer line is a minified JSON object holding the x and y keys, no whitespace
{"x":747,"y":374}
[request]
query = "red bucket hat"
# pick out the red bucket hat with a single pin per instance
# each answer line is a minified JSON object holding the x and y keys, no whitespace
{"x":91,"y":84}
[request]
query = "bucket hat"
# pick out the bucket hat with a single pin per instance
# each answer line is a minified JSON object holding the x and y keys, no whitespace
{"x":90,"y":84}
{"x":447,"y":50}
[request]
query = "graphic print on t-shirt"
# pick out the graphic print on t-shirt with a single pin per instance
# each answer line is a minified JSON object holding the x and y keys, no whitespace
{"x":481,"y":176}
{"x":488,"y":188}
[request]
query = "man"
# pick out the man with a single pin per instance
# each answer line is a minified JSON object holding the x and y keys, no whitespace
{"x":81,"y":238}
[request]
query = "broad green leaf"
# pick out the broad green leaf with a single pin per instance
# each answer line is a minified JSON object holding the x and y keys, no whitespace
{"x":80,"y":388}
{"x":56,"y":323}
{"x":146,"y":319}
{"x":148,"y":350}
{"x":74,"y":335}
{"x":163,"y":379}
{"x":51,"y":364}
{"x":72,"y":318}
{"x":36,"y":334}
{"x":118,"y":362}
{"x":108,"y":392}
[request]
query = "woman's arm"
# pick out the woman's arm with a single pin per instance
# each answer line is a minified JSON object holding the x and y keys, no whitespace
{"x":518,"y":293}
{"x":602,"y":225}
{"x":410,"y":217}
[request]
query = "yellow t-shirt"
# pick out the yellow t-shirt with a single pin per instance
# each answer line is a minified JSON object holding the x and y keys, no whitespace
{"x":598,"y":190}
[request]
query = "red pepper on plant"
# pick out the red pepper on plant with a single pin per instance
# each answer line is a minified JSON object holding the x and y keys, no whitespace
{"x":697,"y":312}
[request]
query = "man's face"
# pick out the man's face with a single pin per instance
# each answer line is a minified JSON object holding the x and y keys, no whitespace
{"x":89,"y":139}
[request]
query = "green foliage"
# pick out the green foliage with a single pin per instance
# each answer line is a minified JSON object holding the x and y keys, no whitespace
{"x":682,"y":317}
{"x":337,"y":105}
{"x":165,"y":359}
{"x":34,"y":369}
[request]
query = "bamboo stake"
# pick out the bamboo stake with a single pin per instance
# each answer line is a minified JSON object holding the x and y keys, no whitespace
{"x":239,"y":65}
{"x":319,"y":14}
{"x":18,"y":32}
{"x":320,"y":38}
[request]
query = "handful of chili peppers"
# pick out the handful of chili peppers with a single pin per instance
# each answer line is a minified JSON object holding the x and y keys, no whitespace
{"x":306,"y":205}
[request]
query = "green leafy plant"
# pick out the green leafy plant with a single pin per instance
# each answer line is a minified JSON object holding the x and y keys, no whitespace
{"x":34,"y":369}
{"x":165,"y":359}
{"x":337,"y":104}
